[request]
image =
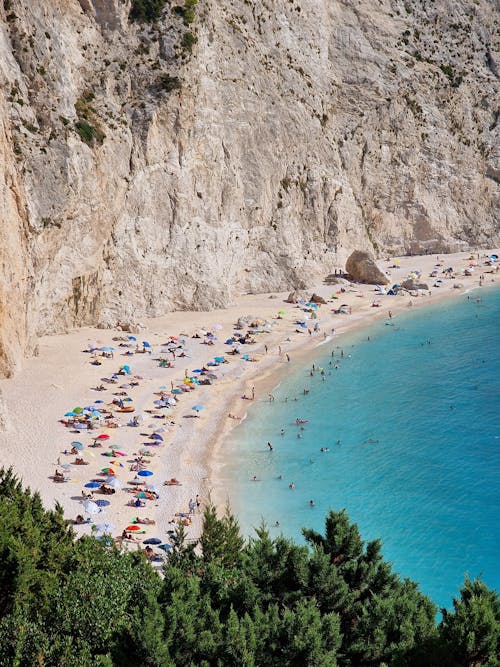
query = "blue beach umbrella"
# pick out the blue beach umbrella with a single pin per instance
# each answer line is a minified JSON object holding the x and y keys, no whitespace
{"x":156,"y":436}
{"x":152,"y":540}
{"x":78,"y":445}
{"x":220,"y":360}
{"x":146,"y":344}
{"x":102,"y":503}
{"x":165,"y":547}
{"x":197,"y":408}
{"x":145,"y":473}
{"x":70,"y":414}
{"x":92,"y":485}
{"x":131,"y":337}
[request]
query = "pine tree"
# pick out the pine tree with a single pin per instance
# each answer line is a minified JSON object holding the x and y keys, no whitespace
{"x":471,"y":633}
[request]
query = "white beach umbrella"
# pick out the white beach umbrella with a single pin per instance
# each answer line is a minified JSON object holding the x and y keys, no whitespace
{"x":115,"y":483}
{"x":104,"y":528}
{"x":90,"y":507}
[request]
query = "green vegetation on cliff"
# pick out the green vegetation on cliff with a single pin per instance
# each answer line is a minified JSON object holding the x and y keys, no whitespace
{"x":266,"y":602}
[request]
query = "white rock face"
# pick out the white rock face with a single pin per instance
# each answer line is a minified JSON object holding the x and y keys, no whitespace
{"x":293,"y":132}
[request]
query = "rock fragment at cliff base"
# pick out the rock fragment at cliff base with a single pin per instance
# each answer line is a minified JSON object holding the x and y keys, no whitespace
{"x":362,"y":268}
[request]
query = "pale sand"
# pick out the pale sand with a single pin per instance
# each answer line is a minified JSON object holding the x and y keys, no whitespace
{"x":61,"y":376}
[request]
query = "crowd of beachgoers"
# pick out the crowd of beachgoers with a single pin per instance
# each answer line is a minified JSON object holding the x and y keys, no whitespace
{"x":130,"y":458}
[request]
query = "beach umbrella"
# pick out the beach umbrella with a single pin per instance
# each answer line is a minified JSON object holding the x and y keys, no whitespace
{"x":146,"y":344}
{"x":108,"y":471}
{"x":156,"y":436}
{"x":131,"y":337}
{"x":136,"y":481}
{"x":77,"y":410}
{"x":281,"y":312}
{"x":145,"y":473}
{"x":70,"y":414}
{"x":152,"y":540}
{"x":197,"y":408}
{"x":91,"y":507}
{"x":152,"y":488}
{"x":176,"y":391}
{"x":92,"y":485}
{"x":102,"y":503}
{"x":165,"y":547}
{"x":141,"y":494}
{"x":220,"y":360}
{"x":132,"y":527}
{"x":104,"y":527}
{"x":103,"y":436}
{"x":114,"y":483}
{"x":78,"y":445}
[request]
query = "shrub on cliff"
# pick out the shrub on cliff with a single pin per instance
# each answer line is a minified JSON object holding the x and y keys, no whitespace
{"x":146,"y":10}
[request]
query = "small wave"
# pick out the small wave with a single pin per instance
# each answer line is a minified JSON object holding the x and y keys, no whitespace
{"x":325,"y":340}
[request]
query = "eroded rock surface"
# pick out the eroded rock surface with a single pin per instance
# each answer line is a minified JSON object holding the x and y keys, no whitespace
{"x":150,"y":167}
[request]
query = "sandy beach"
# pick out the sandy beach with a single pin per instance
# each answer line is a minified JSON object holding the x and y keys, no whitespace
{"x":60,"y":378}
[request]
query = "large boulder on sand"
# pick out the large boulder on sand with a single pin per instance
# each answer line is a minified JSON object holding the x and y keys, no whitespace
{"x":362,"y":269}
{"x":296,"y":296}
{"x":316,"y":298}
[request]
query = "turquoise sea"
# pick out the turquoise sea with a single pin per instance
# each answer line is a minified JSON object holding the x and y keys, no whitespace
{"x":417,"y":410}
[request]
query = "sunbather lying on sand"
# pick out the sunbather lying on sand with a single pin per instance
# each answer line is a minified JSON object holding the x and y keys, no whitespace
{"x":172,"y":482}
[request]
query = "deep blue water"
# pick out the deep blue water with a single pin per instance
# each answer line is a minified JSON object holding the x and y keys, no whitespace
{"x":429,"y":484}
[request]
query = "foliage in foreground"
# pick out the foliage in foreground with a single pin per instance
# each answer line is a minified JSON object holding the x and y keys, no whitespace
{"x":267,"y":602}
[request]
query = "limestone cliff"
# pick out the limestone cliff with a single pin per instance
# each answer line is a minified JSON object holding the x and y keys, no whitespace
{"x":233,"y":146}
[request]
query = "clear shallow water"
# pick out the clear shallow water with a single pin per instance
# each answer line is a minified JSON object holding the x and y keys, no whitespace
{"x":429,"y":488}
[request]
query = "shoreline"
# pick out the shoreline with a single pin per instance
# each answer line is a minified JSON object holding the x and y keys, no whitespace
{"x":37,"y":397}
{"x":270,"y":378}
